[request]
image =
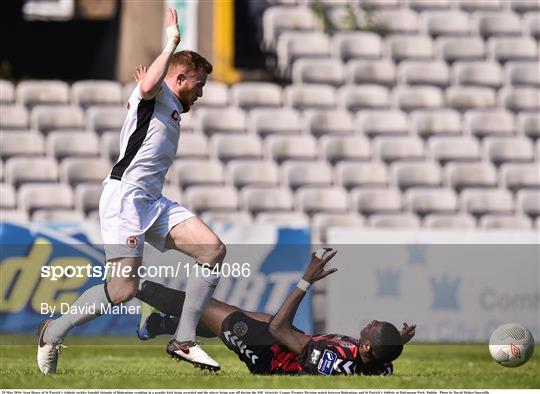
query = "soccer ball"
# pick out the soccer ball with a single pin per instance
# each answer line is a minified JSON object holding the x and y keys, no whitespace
{"x":511,"y":345}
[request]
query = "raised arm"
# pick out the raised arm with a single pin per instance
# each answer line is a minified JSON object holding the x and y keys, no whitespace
{"x":281,"y":325}
{"x":151,"y":83}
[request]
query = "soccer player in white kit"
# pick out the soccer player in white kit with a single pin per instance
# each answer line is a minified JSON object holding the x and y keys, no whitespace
{"x":132,"y":209}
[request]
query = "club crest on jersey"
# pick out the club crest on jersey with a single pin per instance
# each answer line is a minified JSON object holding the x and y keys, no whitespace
{"x":326,"y":364}
{"x":240,"y":329}
{"x":315,"y":354}
{"x":131,"y":242}
{"x":175,"y":116}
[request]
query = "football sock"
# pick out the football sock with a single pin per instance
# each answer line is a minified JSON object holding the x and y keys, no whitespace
{"x":80,"y":312}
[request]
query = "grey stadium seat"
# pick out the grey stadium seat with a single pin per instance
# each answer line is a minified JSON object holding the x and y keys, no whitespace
{"x":424,"y":73}
{"x":517,"y":149}
{"x":276,"y":20}
{"x":216,"y":95}
{"x":410,"y":47}
{"x":13,"y":117}
{"x":413,"y":174}
{"x":264,"y":199}
{"x":520,"y":99}
{"x":356,"y":45}
{"x":33,"y":196}
{"x":482,"y":201}
{"x":20,"y":170}
{"x":354,"y":174}
{"x":336,"y":148}
{"x":520,"y":175}
{"x":327,"y":199}
{"x":489,"y":123}
{"x":30,"y":93}
{"x":532,"y":21}
{"x":374,"y":200}
{"x":460,"y":48}
{"x":249,"y":95}
{"x":192,"y":146}
{"x":110,"y":146}
{"x":62,"y":144}
{"x":439,"y":122}
{"x":334,"y":122}
{"x":495,"y":222}
{"x":265,"y":121}
{"x":463,"y":98}
{"x":499,"y":24}
{"x":211,"y":198}
{"x":280,"y":148}
{"x":242,"y":173}
{"x":424,"y":201}
{"x":477,"y":73}
{"x":75,"y":170}
{"x":448,"y":149}
{"x":528,"y":202}
{"x":503,"y":49}
{"x":529,"y":124}
{"x":228,"y":147}
{"x":87,"y":197}
{"x":462,"y":175}
{"x":409,"y":98}
{"x":480,"y":5}
{"x":323,"y":71}
{"x":229,"y":120}
{"x":186,"y":173}
{"x":447,"y":23}
{"x":523,"y":73}
{"x":283,"y":219}
{"x":14,"y":143}
{"x":374,"y":122}
{"x":7,"y":92}
{"x":449,"y":221}
{"x":404,"y":220}
{"x":399,"y":148}
{"x":313,"y":96}
{"x":368,"y":96}
{"x":306,"y":173}
{"x":8,"y":197}
{"x":46,"y":118}
{"x":295,"y":45}
{"x":102,"y":119}
{"x":227,"y":217}
{"x":398,"y":21}
{"x":96,"y":92}
{"x":381,"y":72}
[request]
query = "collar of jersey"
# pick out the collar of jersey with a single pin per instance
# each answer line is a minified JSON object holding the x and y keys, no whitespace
{"x":175,"y":98}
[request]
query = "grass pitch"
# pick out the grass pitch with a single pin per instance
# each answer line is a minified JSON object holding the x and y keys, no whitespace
{"x":124,"y":362}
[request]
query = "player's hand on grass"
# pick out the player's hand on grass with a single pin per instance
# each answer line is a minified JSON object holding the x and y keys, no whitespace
{"x":139,"y":73}
{"x":173,"y":32}
{"x":315,"y":270}
{"x":407,"y":332}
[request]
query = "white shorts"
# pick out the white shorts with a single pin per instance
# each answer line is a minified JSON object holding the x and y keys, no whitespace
{"x":129,"y":216}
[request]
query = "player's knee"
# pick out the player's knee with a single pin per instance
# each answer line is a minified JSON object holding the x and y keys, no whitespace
{"x":213,"y":254}
{"x":124,"y":293}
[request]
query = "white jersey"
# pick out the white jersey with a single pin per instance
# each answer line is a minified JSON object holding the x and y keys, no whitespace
{"x":148,"y":140}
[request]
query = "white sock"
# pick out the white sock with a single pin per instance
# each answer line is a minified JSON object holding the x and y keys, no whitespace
{"x":199,"y":290}
{"x":92,"y":299}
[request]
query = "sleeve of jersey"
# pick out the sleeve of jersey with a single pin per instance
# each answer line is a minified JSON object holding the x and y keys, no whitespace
{"x":320,"y":358}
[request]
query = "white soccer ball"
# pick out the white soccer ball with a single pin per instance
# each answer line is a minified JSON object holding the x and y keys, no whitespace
{"x":511,"y":345}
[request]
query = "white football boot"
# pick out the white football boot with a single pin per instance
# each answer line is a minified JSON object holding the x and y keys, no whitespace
{"x":47,"y":354}
{"x":192,"y":352}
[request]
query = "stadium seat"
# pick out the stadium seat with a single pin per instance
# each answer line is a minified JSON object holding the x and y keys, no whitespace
{"x":447,"y":221}
{"x":185,"y":173}
{"x":482,"y":201}
{"x":211,"y":198}
{"x":14,"y":143}
{"x":229,"y":120}
{"x":265,"y":199}
{"x":295,"y":45}
{"x":33,"y":196}
{"x":447,"y":23}
{"x":374,"y":200}
{"x":322,"y":71}
{"x":75,"y":170}
{"x":192,"y":146}
{"x":265,"y":121}
{"x":503,"y":49}
{"x":227,"y":147}
{"x":8,"y":197}
{"x":405,"y":47}
{"x":333,"y":122}
{"x":127,"y":91}
{"x":482,"y":123}
{"x":424,"y":200}
{"x":356,"y":45}
{"x":398,"y":21}
{"x":322,"y":221}
{"x":358,"y":97}
{"x":353,"y":174}
{"x":381,"y":72}
{"x":379,"y":4}
{"x":524,"y":5}
{"x":516,"y":149}
{"x":477,"y":73}
{"x":380,"y":122}
{"x":15,"y":215}
{"x":423,"y":73}
{"x":20,"y":170}
{"x":424,"y":5}
{"x":429,"y":123}
{"x":306,"y":173}
{"x":499,"y":24}
{"x":46,"y":118}
{"x":497,"y":222}
{"x":337,"y":148}
{"x":314,"y":96}
{"x":462,"y":175}
{"x":110,"y":146}
{"x":62,"y":144}
{"x":520,"y":99}
{"x":57,"y":215}
{"x":215,"y":95}
{"x":96,"y":92}
{"x":523,"y":73}
{"x":532,"y":22}
{"x":413,"y":174}
{"x":13,"y":117}
{"x":529,"y":124}
{"x":391,"y":149}
{"x":188,"y":123}
{"x":283,"y":219}
{"x":404,"y":220}
{"x":453,"y":49}
{"x":520,"y":175}
{"x":7,"y":92}
{"x":236,"y":218}
{"x":479,"y":5}
{"x":102,"y":119}
{"x":280,"y":148}
{"x":463,"y":98}
{"x":277,"y":20}
{"x":448,"y":149}
{"x":409,"y":98}
{"x":242,"y":173}
{"x":322,"y":199}
{"x":87,"y":197}
{"x":31,"y":93}
{"x":528,"y":202}
{"x":249,"y":95}
{"x":172,"y":192}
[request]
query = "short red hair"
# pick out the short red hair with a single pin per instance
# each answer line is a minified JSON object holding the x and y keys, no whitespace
{"x":191,"y":61}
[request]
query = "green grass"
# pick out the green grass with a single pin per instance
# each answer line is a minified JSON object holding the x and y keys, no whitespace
{"x":127,"y":363}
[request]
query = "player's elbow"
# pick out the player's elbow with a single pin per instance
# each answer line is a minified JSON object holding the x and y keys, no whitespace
{"x":275,"y":328}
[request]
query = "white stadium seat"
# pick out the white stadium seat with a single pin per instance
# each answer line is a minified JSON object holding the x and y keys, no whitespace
{"x":399,"y":148}
{"x":110,"y":146}
{"x":228,"y":120}
{"x":322,"y":71}
{"x":496,"y":222}
{"x":398,"y":21}
{"x":460,"y":48}
{"x":373,"y":200}
{"x":33,"y":196}
{"x":192,"y":146}
{"x":296,"y":174}
{"x":463,"y":98}
{"x":322,"y":199}
{"x":413,"y":174}
{"x":227,"y":147}
{"x":102,"y":119}
{"x":280,"y":148}
{"x":57,"y":215}
{"x":482,"y":201}
{"x":409,"y":98}
{"x":489,"y":123}
{"x":276,"y":20}
{"x":447,"y":23}
{"x":96,"y":92}
{"x":127,"y":91}
{"x":8,"y":197}
{"x":424,"y":201}
{"x":211,"y":198}
{"x":423,"y":5}
{"x":380,"y":122}
{"x":321,"y":222}
{"x":62,"y":144}
{"x":356,"y":45}
{"x":75,"y":170}
{"x":242,"y":173}
{"x":517,"y":149}
{"x":462,"y":175}
{"x":523,"y":73}
{"x":215,"y":95}
{"x":336,"y":148}
{"x":503,"y":49}
{"x":405,"y":220}
{"x":236,"y":218}
{"x":520,"y":99}
{"x":190,"y":172}
{"x":529,"y":124}
{"x":249,"y":95}
{"x":264,"y":199}
{"x":265,"y":121}
{"x":379,"y":4}
{"x":295,"y":45}
{"x":499,"y":24}
{"x":87,"y":197}
{"x":353,"y":174}
{"x":524,"y":5}
{"x":313,"y":96}
{"x":14,"y":143}
{"x":532,"y":22}
{"x":283,"y":219}
{"x":334,"y":122}
{"x":424,"y":73}
{"x":480,"y":5}
{"x":528,"y":202}
{"x":172,"y":192}
{"x":7,"y":92}
{"x":20,"y":170}
{"x":46,"y":118}
{"x":30,"y":93}
{"x":429,"y":123}
{"x":405,"y":47}
{"x":520,"y":175}
{"x":381,"y":72}
{"x":13,"y":117}
{"x":448,"y":149}
{"x":477,"y":73}
{"x":357,"y":97}
{"x":449,"y":221}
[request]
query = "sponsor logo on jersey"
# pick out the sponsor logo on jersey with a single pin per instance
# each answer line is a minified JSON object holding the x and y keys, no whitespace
{"x":326,"y":365}
{"x":240,"y":329}
{"x":175,"y":116}
{"x":315,"y":354}
{"x":131,"y":242}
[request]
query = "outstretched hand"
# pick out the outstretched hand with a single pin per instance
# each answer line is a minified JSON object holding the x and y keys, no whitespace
{"x":407,"y":332}
{"x":315,"y":270}
{"x":139,"y":73}
{"x":173,"y":32}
